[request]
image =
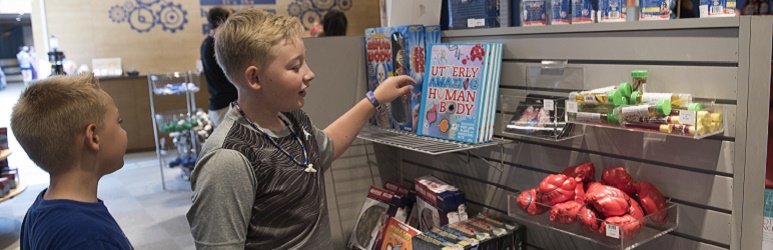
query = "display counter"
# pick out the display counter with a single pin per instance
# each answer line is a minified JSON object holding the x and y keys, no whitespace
{"x":131,"y":96}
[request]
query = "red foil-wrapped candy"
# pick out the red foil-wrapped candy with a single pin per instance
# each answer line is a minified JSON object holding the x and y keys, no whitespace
{"x":527,"y":201}
{"x":619,"y":178}
{"x":583,"y":172}
{"x":652,"y":202}
{"x":627,"y":229}
{"x":556,"y":188}
{"x":566,"y":212}
{"x":588,"y":219}
{"x":608,"y":201}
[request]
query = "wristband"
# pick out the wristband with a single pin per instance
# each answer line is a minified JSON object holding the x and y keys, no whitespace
{"x":372,"y":99}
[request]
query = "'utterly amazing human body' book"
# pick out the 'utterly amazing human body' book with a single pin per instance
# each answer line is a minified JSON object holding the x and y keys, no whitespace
{"x":460,"y":90}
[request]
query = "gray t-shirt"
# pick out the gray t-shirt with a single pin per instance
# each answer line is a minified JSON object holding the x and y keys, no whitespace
{"x":248,"y":194}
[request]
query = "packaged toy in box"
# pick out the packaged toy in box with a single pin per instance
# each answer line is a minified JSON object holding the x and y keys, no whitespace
{"x":371,"y":219}
{"x":437,"y":204}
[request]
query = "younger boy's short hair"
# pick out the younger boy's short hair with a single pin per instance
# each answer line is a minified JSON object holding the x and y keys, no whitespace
{"x":247,"y":37}
{"x":51,"y":112}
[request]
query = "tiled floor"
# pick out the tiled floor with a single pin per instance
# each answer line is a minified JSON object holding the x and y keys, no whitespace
{"x":151,"y":217}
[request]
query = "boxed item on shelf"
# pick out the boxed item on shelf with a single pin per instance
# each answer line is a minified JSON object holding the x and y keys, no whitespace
{"x":393,"y":51}
{"x":402,"y":201}
{"x":459,"y":97}
{"x":655,"y":9}
{"x":438,"y":204}
{"x":560,"y":12}
{"x":535,"y":13}
{"x":371,"y":219}
{"x":612,"y":11}
{"x":515,"y":238}
{"x":584,"y":12}
{"x":430,"y":240}
{"x":465,"y":14}
{"x":398,"y":235}
{"x":535,"y":116}
{"x":718,"y":8}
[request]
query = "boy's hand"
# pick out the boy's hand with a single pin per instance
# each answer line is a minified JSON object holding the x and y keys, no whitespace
{"x":394,"y":87}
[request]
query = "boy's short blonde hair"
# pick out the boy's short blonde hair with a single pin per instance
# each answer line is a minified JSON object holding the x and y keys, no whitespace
{"x":247,"y":37}
{"x":51,"y":112}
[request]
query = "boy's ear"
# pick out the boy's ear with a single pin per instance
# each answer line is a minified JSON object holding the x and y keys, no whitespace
{"x":251,"y":74}
{"x":92,"y":139}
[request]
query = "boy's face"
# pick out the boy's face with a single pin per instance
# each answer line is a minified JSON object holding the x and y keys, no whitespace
{"x":112,"y":139}
{"x":285,"y":79}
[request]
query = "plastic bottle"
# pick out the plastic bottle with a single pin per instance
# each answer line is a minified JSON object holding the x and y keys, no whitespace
{"x":634,"y":114}
{"x":639,"y":80}
{"x":592,"y":117}
{"x":665,"y":128}
{"x":589,"y":97}
{"x":688,"y":129}
{"x":677,"y":100}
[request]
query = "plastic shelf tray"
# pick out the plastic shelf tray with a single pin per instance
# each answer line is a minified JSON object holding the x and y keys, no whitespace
{"x":646,"y":233}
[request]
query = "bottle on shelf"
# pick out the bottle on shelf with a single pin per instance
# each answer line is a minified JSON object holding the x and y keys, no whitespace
{"x":639,"y":80}
{"x":677,"y":100}
{"x":634,"y":114}
{"x":617,"y":95}
{"x":593,"y":117}
{"x":665,"y":128}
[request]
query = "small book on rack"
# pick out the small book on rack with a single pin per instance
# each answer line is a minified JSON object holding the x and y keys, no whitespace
{"x":460,"y":92}
{"x":540,"y":116}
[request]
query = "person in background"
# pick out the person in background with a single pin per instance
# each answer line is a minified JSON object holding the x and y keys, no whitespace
{"x":25,"y":64}
{"x":71,"y":129}
{"x":334,"y":23}
{"x":33,"y":63}
{"x":221,"y":91}
{"x":259,"y":180}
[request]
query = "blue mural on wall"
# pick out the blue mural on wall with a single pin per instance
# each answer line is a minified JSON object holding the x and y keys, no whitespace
{"x":311,"y":11}
{"x":143,"y":15}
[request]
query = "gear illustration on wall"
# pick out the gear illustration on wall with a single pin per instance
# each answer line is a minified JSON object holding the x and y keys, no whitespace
{"x":172,"y":17}
{"x":294,"y":9}
{"x":147,"y":2}
{"x":128,"y":6}
{"x":345,"y":4}
{"x":117,"y":14}
{"x":309,"y":18}
{"x":141,"y":19}
{"x":323,"y":4}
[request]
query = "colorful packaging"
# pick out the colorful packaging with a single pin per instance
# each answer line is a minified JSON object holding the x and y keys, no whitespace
{"x":466,"y":14}
{"x":393,"y":51}
{"x":534,"y":13}
{"x":398,"y":235}
{"x":461,"y":87}
{"x":560,"y":12}
{"x":612,"y":10}
{"x":582,"y":12}
{"x":431,"y":241}
{"x":718,"y":8}
{"x":371,"y":220}
{"x":437,"y":203}
{"x":655,"y":9}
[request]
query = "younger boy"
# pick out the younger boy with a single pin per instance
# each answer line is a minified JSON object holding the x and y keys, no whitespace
{"x":258,"y":182}
{"x":71,"y":129}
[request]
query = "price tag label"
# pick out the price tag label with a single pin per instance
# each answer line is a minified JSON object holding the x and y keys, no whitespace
{"x":548,"y":104}
{"x":471,"y":23}
{"x":687,"y":117}
{"x":613,"y":231}
{"x":571,"y":106}
{"x":480,"y":22}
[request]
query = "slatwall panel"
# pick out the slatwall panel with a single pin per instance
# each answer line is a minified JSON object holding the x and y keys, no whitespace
{"x":696,"y":174}
{"x":711,"y":179}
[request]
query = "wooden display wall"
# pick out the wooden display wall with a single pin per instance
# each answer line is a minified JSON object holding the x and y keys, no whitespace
{"x":163,"y":36}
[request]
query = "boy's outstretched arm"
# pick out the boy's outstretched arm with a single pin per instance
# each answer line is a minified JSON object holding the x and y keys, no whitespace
{"x":344,"y":130}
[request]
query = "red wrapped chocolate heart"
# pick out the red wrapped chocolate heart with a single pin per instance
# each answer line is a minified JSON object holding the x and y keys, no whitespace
{"x":527,"y":201}
{"x":588,"y":219}
{"x":607,"y":200}
{"x":566,"y":212}
{"x":556,"y":188}
{"x":619,"y":178}
{"x":624,"y":224}
{"x":652,"y":202}
{"x":583,"y":172}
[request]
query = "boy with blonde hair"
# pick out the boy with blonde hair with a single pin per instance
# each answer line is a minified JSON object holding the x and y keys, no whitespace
{"x":258,"y":182}
{"x":71,"y":129}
